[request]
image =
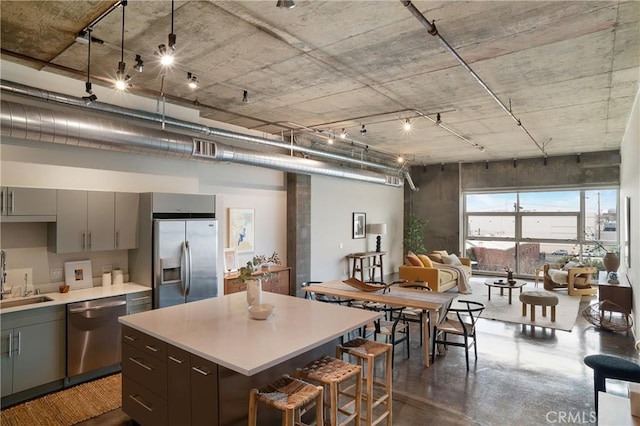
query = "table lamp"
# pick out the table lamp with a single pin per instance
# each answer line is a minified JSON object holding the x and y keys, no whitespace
{"x":377,"y":229}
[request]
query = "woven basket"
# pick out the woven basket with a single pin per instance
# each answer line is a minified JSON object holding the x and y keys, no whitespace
{"x":601,"y":315}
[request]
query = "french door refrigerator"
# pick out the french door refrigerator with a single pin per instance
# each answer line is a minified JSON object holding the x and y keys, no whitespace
{"x":185,"y":258}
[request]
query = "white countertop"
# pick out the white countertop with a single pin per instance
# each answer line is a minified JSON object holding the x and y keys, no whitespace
{"x":220,"y":330}
{"x":76,"y":296}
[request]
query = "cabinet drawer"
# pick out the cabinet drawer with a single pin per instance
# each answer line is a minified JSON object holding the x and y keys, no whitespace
{"x":146,"y":369}
{"x":141,"y":404}
{"x":145,"y":343}
{"x":234,"y":286}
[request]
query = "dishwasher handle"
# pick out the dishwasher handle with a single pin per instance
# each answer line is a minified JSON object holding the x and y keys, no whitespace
{"x":99,"y":307}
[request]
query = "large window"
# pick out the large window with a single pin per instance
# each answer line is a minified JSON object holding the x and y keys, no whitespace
{"x":524,"y":230}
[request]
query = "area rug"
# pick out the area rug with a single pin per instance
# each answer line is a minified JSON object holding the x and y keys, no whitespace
{"x":499,"y":309}
{"x":69,"y":406}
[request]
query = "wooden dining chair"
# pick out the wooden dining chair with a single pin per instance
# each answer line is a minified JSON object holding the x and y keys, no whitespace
{"x":462,"y":323}
{"x":392,"y":325}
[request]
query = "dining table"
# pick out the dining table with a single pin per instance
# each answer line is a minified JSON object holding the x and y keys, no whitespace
{"x":435,"y":303}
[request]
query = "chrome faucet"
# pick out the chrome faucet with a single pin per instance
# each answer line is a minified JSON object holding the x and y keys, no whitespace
{"x":25,"y":293}
{"x":3,"y":274}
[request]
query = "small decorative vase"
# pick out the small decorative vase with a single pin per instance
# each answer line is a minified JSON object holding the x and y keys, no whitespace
{"x":509,"y":276}
{"x":611,"y":262}
{"x":254,"y":292}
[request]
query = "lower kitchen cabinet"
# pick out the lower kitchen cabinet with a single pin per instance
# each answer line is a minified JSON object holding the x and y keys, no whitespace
{"x":138,"y":302}
{"x":32,"y":349}
{"x":166,"y":385}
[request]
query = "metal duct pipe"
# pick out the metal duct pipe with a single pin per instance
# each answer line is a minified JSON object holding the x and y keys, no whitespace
{"x":20,"y":89}
{"x":431,"y":29}
{"x":40,"y":124}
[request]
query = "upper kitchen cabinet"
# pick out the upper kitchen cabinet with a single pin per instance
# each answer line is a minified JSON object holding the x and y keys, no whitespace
{"x":85,"y":222}
{"x":27,"y":204}
{"x":126,"y":220}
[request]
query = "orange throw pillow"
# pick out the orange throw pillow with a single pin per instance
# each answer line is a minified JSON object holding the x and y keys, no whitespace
{"x":426,"y":262}
{"x":413,"y":259}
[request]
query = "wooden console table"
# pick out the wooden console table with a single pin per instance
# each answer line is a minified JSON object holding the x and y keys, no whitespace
{"x":281,"y":283}
{"x":618,"y":294}
{"x":374,"y":262}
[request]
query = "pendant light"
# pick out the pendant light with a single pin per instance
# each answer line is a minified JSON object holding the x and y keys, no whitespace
{"x":166,"y":53}
{"x":122,"y":79}
{"x":92,"y":97}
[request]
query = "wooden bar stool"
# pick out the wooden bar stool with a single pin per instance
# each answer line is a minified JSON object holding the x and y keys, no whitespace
{"x":333,"y":373}
{"x":377,"y":393}
{"x":290,"y":396}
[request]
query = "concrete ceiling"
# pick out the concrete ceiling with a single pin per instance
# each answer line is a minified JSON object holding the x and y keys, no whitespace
{"x":568,"y":69}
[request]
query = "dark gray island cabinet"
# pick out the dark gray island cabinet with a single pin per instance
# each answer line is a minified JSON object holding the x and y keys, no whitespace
{"x":196,"y":363}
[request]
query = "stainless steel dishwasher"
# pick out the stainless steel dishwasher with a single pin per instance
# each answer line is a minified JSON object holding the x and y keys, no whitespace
{"x":93,"y":334}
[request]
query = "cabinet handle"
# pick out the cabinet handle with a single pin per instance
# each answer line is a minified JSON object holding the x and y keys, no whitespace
{"x":11,"y":201}
{"x":2,"y":195}
{"x":145,"y":366}
{"x":139,"y":298}
{"x":130,"y":338}
{"x":137,"y":399}
{"x":10,"y":344}
{"x":89,"y":245}
{"x":152,"y":348}
{"x":179,"y":361}
{"x":19,"y":342}
{"x":199,"y":370}
{"x":117,"y":239}
{"x":84,"y":241}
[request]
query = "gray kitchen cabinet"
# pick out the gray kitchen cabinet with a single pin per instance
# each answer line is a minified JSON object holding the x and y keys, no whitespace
{"x":85,"y":222}
{"x":138,"y":302}
{"x":126,"y":220}
{"x":32,"y":349}
{"x":27,"y":204}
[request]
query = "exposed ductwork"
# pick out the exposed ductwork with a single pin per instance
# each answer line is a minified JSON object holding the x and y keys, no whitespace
{"x":35,"y":123}
{"x":157,"y":142}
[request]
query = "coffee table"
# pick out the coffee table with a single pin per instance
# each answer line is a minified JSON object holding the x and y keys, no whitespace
{"x":502,"y":284}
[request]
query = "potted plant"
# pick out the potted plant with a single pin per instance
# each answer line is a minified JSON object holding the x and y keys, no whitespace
{"x":414,"y":235}
{"x":254,"y":282}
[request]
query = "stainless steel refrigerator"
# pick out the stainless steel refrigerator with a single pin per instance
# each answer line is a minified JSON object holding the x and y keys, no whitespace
{"x":185,"y":260}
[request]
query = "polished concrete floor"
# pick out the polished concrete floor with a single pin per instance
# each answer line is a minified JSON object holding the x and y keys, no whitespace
{"x":523,"y":376}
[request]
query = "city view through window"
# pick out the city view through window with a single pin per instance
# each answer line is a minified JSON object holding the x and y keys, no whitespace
{"x":524,"y":230}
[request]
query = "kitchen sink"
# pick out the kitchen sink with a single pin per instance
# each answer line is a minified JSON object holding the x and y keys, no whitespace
{"x":22,"y":301}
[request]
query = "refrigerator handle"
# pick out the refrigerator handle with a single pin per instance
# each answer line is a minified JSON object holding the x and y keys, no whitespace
{"x":183,"y":268}
{"x":189,"y":268}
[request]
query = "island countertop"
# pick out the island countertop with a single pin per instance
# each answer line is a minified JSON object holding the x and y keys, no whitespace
{"x":220,"y":330}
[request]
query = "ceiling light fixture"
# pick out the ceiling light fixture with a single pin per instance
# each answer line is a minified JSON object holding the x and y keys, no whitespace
{"x":286,"y":4}
{"x":139,"y":66}
{"x":343,"y":134}
{"x":245,"y":96}
{"x":122,"y":79}
{"x":363,"y":130}
{"x":87,"y":85}
{"x":330,"y":141}
{"x":192,"y":81}
{"x":438,"y":119}
{"x":406,"y":126}
{"x":400,"y":159}
{"x":166,"y":53}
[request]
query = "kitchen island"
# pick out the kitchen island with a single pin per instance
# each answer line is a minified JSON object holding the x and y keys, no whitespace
{"x":195,"y":363}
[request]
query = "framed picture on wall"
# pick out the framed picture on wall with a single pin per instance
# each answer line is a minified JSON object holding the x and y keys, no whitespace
{"x":627,"y":234}
{"x":78,"y":274}
{"x":359,"y":225}
{"x":242,"y":230}
{"x":230,"y":260}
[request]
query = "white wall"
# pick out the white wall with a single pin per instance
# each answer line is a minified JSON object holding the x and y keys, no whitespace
{"x":332,"y":203}
{"x":630,"y":187}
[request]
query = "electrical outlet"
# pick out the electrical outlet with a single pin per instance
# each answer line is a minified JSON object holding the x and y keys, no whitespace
{"x":107,"y":268}
{"x":55,"y":274}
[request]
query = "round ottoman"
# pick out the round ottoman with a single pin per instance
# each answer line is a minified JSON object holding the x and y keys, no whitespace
{"x":610,"y":367}
{"x":539,"y":298}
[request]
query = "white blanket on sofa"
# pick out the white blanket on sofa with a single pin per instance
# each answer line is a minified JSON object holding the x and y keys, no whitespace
{"x":558,"y":276}
{"x":463,"y":279}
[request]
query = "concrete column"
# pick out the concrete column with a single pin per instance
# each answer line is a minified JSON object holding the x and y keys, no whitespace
{"x":298,"y":229}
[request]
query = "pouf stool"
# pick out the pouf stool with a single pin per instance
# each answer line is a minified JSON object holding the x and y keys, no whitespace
{"x":611,"y":367}
{"x":539,"y":298}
